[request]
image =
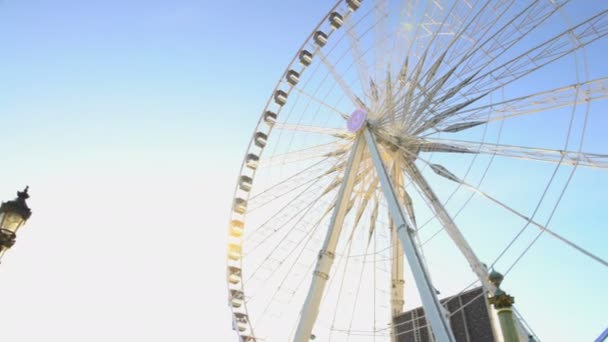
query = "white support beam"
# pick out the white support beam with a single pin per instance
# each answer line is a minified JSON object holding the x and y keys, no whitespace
{"x":432,"y":307}
{"x":310,"y":310}
{"x":397,"y":281}
{"x":454,"y":233}
{"x":450,"y":227}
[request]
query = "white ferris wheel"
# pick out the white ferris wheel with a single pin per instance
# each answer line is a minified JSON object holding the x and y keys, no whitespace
{"x":410,"y":148}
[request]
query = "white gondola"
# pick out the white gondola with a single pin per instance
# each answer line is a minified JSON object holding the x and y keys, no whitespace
{"x":236,"y":294}
{"x":293,"y":77}
{"x":270,"y":117}
{"x":234,"y":275}
{"x":241,"y":326}
{"x":240,"y":206}
{"x":252,"y":161}
{"x":234,"y":251}
{"x":237,"y":228}
{"x":234,"y":279}
{"x":260,"y":139}
{"x":280,"y":97}
{"x":353,"y":5}
{"x":242,"y":321}
{"x":245,"y":183}
{"x":236,"y":303}
{"x":305,"y":57}
{"x":336,"y":20}
{"x":320,"y":38}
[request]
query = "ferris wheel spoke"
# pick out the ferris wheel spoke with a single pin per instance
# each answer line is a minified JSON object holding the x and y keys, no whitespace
{"x":428,"y":93}
{"x":450,"y":226}
{"x":593,"y":160}
{"x":331,"y":149}
{"x":346,"y":258}
{"x":409,"y":98}
{"x":381,"y":15}
{"x":434,"y":80}
{"x":356,"y":101}
{"x":420,"y":100}
{"x":373,"y":186}
{"x":357,"y":53}
{"x":319,"y":101}
{"x":402,"y":38}
{"x":409,"y":208}
{"x":334,"y":132}
{"x":357,"y":291}
{"x":457,"y":22}
{"x":289,"y":217}
{"x":293,"y":203}
{"x":574,"y":94}
{"x":440,"y":170}
{"x":469,"y":87}
{"x":373,"y":218}
{"x":542,"y":55}
{"x":267,"y":197}
{"x":310,"y":173}
{"x":472,"y":32}
{"x":542,"y":228}
{"x":429,"y":84}
{"x":445,"y":173}
{"x":306,"y":240}
{"x":382,"y":38}
{"x":487,"y":49}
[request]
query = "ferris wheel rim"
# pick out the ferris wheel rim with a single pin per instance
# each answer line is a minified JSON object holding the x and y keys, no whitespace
{"x":249,"y":331}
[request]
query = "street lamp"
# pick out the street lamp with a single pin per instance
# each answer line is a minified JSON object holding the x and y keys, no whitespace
{"x":13,"y":215}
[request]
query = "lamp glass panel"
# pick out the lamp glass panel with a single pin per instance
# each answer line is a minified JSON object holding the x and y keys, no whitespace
{"x":11,"y":221}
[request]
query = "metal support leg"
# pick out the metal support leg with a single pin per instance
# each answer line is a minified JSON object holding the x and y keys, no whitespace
{"x":396,"y":256}
{"x":310,"y":310}
{"x":432,"y":306}
{"x":454,"y":233}
{"x":450,"y":227}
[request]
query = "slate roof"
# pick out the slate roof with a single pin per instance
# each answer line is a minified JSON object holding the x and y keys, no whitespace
{"x":471,"y":324}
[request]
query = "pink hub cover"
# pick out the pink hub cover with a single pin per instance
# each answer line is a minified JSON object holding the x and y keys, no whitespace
{"x":356,"y":120}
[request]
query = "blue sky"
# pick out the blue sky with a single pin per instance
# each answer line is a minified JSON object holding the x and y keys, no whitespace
{"x":129,"y":120}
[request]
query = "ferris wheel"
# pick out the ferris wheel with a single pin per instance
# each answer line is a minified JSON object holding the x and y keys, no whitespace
{"x":411,"y":148}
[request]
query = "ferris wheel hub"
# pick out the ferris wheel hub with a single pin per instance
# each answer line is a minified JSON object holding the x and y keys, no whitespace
{"x":357,"y":120}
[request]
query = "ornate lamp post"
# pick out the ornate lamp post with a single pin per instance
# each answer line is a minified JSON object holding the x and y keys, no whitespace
{"x":13,"y":215}
{"x":502,"y":303}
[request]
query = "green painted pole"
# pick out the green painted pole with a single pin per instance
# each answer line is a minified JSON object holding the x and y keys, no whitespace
{"x":507,"y":325}
{"x":502,"y":302}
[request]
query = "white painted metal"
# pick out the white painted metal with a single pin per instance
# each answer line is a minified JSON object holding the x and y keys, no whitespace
{"x":454,"y":233}
{"x":397,"y":281}
{"x":310,"y":310}
{"x":539,"y":102}
{"x":432,"y":307}
{"x":579,"y":158}
{"x":450,"y":227}
{"x":434,"y":92}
